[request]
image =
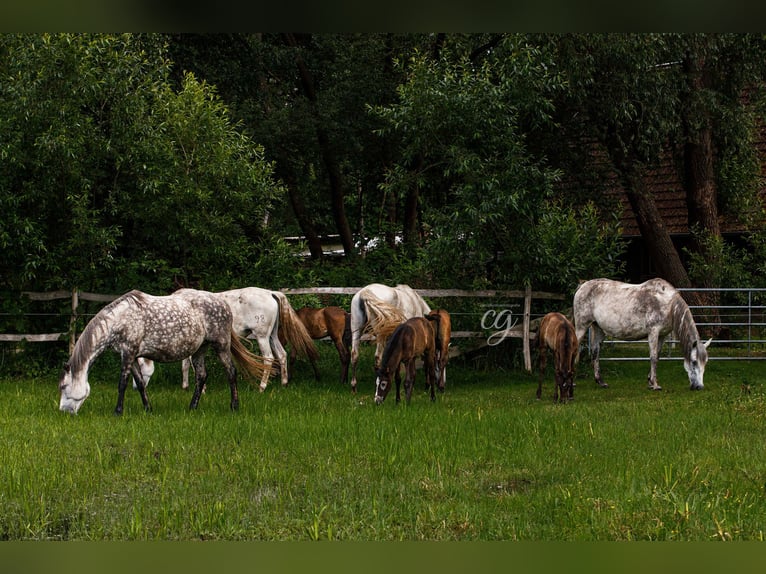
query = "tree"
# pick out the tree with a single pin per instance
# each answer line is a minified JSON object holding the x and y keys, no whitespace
{"x":489,"y":202}
{"x":111,"y":179}
{"x":305,"y":97}
{"x":642,"y":95}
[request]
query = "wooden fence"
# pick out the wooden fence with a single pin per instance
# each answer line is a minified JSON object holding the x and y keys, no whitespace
{"x":524,"y":331}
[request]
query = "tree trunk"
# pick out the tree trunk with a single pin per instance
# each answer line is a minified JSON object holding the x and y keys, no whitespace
{"x":410,"y":232}
{"x":329,"y":159}
{"x":653,"y":230}
{"x":303,"y":218}
{"x":699,"y":175}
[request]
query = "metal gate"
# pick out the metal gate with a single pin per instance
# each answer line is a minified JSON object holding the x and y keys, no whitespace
{"x":739,"y":320}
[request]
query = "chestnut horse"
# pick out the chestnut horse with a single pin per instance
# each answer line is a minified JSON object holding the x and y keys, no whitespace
{"x":412,"y":339}
{"x":557,"y":333}
{"x":332,"y":322}
{"x":443,"y":330}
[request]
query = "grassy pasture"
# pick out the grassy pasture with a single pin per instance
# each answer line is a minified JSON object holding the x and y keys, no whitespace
{"x":486,"y":461}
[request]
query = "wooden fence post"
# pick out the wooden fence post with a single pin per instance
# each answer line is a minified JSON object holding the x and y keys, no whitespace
{"x":527,"y":312}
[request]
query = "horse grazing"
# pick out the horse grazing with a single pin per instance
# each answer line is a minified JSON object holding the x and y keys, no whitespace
{"x":332,"y":322}
{"x":412,"y":339}
{"x":443,"y":330}
{"x":557,"y":333}
{"x":265,"y":316}
{"x":379,"y":309}
{"x":163,"y":329}
{"x":631,"y":312}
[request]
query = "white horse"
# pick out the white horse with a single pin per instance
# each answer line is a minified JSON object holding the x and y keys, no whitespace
{"x":259,"y":314}
{"x":631,"y":312}
{"x":379,"y":309}
{"x":165,"y":329}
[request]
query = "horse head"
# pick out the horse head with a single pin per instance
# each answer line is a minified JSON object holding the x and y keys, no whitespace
{"x":382,"y":385}
{"x":73,"y":389}
{"x":695,"y":364}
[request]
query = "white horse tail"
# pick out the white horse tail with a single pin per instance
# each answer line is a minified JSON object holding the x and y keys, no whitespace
{"x":293,"y":329}
{"x":382,"y":318}
{"x":254,"y":366}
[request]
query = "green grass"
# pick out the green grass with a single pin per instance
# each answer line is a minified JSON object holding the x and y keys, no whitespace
{"x":486,"y":461}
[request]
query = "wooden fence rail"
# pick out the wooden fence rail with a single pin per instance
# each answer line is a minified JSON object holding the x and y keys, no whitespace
{"x":523,"y":331}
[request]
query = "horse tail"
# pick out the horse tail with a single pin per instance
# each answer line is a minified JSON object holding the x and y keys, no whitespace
{"x":571,"y":346}
{"x":293,"y":329}
{"x":382,"y":318}
{"x":253,"y":365}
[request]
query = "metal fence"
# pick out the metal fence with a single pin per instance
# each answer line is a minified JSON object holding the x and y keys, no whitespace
{"x":737,"y":321}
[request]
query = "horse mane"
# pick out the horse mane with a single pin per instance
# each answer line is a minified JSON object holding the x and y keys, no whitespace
{"x":683,"y":324}
{"x":94,"y":331}
{"x":392,"y":346}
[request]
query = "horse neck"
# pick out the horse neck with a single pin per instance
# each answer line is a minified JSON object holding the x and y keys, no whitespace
{"x":92,"y":342}
{"x":683,"y":325}
{"x":392,"y":354}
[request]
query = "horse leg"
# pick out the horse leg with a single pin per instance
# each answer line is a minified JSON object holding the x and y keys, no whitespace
{"x":123,"y":384}
{"x":409,"y":379}
{"x":140,"y":382}
{"x":185,"y":366}
{"x":428,"y":366}
{"x":231,"y":370}
{"x":284,"y":363}
{"x":354,"y":360}
{"x":146,"y":368}
{"x":342,"y":355}
{"x":558,"y":387}
{"x":443,"y":358}
{"x":436,"y":367}
{"x":356,"y":325}
{"x":655,"y":344}
{"x":596,"y":337}
{"x":265,"y":347}
{"x":200,"y":376}
{"x":398,"y":381}
{"x":345,"y":354}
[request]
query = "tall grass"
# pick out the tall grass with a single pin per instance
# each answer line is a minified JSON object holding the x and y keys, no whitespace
{"x":312,"y":461}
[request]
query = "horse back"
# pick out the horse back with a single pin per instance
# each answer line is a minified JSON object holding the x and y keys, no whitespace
{"x":413,"y":338}
{"x":557,"y":333}
{"x":314,"y":320}
{"x":254,"y":310}
{"x":623,"y":309}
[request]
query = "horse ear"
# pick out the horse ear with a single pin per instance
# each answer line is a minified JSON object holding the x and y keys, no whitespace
{"x":710,"y":340}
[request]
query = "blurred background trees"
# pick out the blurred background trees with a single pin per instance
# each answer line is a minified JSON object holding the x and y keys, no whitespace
{"x":441,"y":160}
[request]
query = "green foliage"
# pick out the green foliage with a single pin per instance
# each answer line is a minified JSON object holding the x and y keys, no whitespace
{"x":720,"y":263}
{"x":113,"y":180}
{"x":487,"y":198}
